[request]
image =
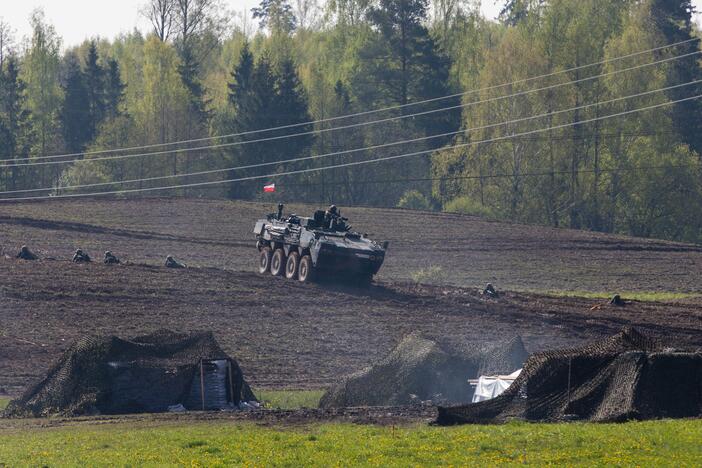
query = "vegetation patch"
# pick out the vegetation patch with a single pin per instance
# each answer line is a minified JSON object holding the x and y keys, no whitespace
{"x":432,"y":274}
{"x":3,"y":403}
{"x":651,"y":443}
{"x":289,"y":399}
{"x":643,"y":296}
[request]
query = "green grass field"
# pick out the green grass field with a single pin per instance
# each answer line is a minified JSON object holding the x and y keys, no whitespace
{"x":222,"y":443}
{"x":3,"y":403}
{"x":656,"y":443}
{"x":289,"y":399}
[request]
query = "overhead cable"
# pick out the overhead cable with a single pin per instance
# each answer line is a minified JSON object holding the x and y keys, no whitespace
{"x":355,"y":150}
{"x":54,"y":159}
{"x":349,"y":164}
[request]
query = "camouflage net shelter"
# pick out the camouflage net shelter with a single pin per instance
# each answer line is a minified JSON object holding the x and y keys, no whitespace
{"x":110,"y":375}
{"x":626,"y":376}
{"x":419,"y":369}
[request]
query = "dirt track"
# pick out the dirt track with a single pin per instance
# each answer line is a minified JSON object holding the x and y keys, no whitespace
{"x":291,"y":335}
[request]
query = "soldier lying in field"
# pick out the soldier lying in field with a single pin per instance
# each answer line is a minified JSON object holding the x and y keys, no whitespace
{"x":81,"y":257}
{"x":173,"y":263}
{"x":26,"y":254}
{"x":490,"y":291}
{"x":110,"y":259}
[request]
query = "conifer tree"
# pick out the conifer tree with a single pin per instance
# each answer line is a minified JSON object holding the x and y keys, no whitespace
{"x":406,"y":63}
{"x":114,"y":89}
{"x":94,"y":78}
{"x":240,"y":84}
{"x":15,"y":125}
{"x":76,"y":113}
{"x":291,"y":108}
{"x":252,"y":96}
{"x":276,"y":15}
{"x":674,"y":21}
{"x":189,"y":69}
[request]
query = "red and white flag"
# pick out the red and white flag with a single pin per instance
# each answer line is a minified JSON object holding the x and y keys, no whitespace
{"x":269,"y":188}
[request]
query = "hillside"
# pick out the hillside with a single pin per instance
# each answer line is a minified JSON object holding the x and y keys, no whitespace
{"x":290,"y":335}
{"x":469,"y":251}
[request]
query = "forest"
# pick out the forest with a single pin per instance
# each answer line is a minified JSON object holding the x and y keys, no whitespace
{"x":569,"y":113}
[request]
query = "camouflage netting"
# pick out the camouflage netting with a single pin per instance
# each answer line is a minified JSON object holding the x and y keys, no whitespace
{"x":110,"y":375}
{"x":419,"y":369}
{"x":627,"y":376}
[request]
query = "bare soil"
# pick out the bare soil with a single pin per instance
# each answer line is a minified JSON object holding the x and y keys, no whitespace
{"x":289,"y":335}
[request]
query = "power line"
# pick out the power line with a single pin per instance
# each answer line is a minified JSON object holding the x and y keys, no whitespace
{"x":349,"y":164}
{"x":42,"y":160}
{"x":384,"y":145}
{"x":504,"y":175}
{"x":401,"y":106}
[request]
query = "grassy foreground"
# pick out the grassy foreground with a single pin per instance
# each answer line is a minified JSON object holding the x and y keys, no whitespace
{"x":656,"y":443}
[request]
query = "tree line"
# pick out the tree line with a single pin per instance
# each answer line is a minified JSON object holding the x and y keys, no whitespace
{"x":201,"y":71}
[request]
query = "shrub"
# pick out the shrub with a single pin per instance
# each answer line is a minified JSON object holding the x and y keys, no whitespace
{"x":414,"y":200}
{"x":466,"y":205}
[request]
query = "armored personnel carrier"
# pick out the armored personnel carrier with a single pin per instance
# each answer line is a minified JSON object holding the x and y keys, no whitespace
{"x":320,"y":246}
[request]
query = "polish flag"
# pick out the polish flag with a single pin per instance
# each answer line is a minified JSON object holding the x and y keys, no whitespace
{"x":269,"y":188}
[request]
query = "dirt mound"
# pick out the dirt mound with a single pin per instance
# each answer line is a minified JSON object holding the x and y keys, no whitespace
{"x":627,"y":376}
{"x":419,"y":369}
{"x":110,"y":375}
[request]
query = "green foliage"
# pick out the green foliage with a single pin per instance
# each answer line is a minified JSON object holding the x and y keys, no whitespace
{"x":607,"y":175}
{"x":76,"y":115}
{"x":15,"y":122}
{"x":404,"y":63}
{"x":114,"y":89}
{"x":289,"y":399}
{"x":40,"y":73}
{"x":94,"y":78}
{"x":189,"y":70}
{"x":414,"y":200}
{"x":276,"y":15}
{"x":675,"y":22}
{"x":260,"y":97}
{"x":87,"y":172}
{"x":632,"y":174}
{"x":654,"y":443}
{"x":468,"y":206}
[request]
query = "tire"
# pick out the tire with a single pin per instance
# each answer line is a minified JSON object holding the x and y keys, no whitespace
{"x":306,"y":270}
{"x":264,"y":260}
{"x":292,"y":265}
{"x":278,"y":262}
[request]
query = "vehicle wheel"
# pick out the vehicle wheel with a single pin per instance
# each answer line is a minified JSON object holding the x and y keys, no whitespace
{"x":291,"y":266}
{"x":264,"y":260}
{"x":278,"y":262}
{"x":306,"y":271}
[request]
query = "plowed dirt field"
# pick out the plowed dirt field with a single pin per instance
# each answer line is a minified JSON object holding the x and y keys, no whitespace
{"x":290,"y":335}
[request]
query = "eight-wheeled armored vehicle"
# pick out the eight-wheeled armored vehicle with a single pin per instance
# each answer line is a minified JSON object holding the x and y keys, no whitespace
{"x":320,"y":246}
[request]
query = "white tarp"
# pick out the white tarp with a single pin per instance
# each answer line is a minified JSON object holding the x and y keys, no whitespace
{"x":489,"y":386}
